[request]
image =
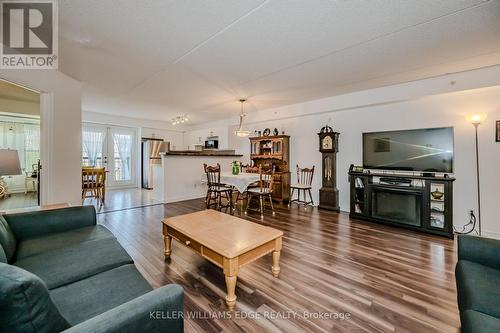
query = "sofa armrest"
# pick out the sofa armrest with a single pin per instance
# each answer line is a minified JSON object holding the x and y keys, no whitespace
{"x":484,"y":251}
{"x":160,"y":310}
{"x":46,"y":222}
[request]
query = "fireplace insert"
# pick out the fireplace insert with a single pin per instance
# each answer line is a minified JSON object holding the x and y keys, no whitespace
{"x":397,"y":205}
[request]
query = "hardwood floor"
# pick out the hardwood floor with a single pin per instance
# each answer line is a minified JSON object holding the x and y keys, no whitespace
{"x":19,"y":200}
{"x":386,"y":279}
{"x":118,"y":199}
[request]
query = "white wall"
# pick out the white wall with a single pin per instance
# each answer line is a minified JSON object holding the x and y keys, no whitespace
{"x":28,"y":108}
{"x":199,"y":133}
{"x":441,"y":101}
{"x":61,"y":179}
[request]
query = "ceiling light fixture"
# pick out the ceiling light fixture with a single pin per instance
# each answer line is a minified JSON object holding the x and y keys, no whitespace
{"x":242,"y":132}
{"x":180,"y":119}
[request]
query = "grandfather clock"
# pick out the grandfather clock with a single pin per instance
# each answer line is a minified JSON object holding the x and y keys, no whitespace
{"x":329,"y":146}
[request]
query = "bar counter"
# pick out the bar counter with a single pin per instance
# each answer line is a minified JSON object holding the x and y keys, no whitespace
{"x":180,"y":174}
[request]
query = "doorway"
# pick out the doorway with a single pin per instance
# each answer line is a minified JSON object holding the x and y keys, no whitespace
{"x":19,"y":146}
{"x":115,"y":149}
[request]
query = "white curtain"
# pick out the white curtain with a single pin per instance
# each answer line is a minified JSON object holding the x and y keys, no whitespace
{"x":92,"y":140}
{"x":31,"y":145}
{"x":123,"y":143}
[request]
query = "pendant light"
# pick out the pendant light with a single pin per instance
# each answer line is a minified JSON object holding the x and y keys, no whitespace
{"x":242,"y":132}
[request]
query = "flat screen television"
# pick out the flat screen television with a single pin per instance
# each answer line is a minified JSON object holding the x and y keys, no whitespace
{"x":428,"y":149}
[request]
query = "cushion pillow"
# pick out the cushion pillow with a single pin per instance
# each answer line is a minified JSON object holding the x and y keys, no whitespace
{"x":97,"y":294}
{"x":477,"y":322}
{"x":7,"y":239}
{"x":73,"y":263}
{"x":478,"y":288}
{"x":25,"y":303}
{"x":33,"y":246}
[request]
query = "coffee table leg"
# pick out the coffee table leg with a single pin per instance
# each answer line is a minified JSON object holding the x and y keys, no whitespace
{"x":168,"y":245}
{"x":276,"y":257}
{"x":231,"y":273}
{"x":276,"y":263}
{"x":231,"y":295}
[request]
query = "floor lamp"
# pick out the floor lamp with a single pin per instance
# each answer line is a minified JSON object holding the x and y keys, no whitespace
{"x":9,"y":165}
{"x":476,"y":120}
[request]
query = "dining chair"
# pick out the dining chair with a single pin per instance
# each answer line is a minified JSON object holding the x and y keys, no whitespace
{"x":264,"y":190}
{"x":304,"y":185}
{"x":215,"y":190}
{"x":246,"y":168}
{"x":31,"y":178}
{"x":94,"y":181}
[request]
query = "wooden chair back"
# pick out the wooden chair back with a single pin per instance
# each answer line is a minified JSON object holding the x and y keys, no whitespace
{"x":305,"y":175}
{"x":266,"y":180}
{"x":244,"y":167}
{"x":213,"y":175}
{"x":93,"y":178}
{"x":248,"y":168}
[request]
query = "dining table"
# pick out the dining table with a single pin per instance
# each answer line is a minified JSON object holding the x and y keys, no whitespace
{"x":241,"y":181}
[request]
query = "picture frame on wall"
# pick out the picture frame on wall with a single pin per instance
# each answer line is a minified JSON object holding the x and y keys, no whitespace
{"x":497,"y":131}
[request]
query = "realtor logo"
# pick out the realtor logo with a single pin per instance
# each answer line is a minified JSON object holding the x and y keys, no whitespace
{"x":29,"y":34}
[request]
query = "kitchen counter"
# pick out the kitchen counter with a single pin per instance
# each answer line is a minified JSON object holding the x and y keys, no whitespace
{"x":180,"y":174}
{"x":224,"y":153}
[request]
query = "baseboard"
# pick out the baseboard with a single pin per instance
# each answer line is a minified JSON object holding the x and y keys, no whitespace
{"x":183,"y":198}
{"x":490,"y":234}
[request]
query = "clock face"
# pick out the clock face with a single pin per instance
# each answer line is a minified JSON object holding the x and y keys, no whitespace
{"x":327,"y":143}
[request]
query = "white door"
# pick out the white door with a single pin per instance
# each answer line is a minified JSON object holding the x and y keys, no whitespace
{"x":115,"y":149}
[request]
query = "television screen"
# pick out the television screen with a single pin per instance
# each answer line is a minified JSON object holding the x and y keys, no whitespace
{"x":429,"y":149}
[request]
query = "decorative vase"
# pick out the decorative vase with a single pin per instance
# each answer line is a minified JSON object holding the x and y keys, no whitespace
{"x":235,"y":167}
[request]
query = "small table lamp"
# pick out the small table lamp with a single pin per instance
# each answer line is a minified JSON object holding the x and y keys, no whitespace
{"x":9,"y":162}
{"x":9,"y":166}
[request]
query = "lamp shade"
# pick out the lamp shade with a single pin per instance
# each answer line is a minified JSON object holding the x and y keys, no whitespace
{"x":9,"y":162}
{"x":476,"y":118}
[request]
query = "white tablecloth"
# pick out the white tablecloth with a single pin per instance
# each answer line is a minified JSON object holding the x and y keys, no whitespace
{"x":239,"y":181}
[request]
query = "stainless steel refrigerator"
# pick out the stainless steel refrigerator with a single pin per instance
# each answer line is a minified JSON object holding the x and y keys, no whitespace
{"x":151,"y":149}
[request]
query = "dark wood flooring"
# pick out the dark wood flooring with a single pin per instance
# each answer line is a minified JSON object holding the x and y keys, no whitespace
{"x":387,"y":279}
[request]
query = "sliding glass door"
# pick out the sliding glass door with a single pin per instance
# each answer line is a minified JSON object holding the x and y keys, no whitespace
{"x":115,"y":149}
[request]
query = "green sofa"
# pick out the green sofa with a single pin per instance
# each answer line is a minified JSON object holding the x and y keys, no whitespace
{"x":478,"y":284}
{"x":61,"y":272}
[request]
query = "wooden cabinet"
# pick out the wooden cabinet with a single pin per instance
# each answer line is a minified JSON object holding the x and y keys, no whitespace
{"x":413,"y":202}
{"x":269,"y":151}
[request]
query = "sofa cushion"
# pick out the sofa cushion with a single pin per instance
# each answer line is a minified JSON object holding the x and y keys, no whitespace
{"x":66,"y":265}
{"x":478,"y":288}
{"x":88,"y":298}
{"x":25,"y":303}
{"x":477,"y":322}
{"x":53,"y":221}
{"x":7,"y":239}
{"x":56,"y":241}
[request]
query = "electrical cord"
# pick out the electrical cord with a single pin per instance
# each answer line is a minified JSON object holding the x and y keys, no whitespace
{"x":472,"y":222}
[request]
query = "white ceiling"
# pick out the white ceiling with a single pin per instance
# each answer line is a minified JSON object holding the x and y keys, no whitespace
{"x":157,"y":59}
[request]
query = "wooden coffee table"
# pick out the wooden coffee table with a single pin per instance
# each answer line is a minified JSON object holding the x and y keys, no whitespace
{"x":227,"y":241}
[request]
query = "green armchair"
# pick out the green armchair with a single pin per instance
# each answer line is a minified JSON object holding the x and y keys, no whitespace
{"x":478,"y":284}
